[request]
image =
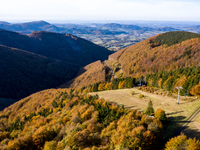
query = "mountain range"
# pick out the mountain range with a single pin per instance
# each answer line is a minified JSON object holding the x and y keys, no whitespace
{"x":102,"y":29}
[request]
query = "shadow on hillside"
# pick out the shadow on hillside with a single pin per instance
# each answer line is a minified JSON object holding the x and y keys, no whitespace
{"x":174,"y":128}
{"x":192,"y":133}
{"x":68,"y":84}
{"x":129,"y":107}
{"x":173,"y":125}
{"x":173,"y":113}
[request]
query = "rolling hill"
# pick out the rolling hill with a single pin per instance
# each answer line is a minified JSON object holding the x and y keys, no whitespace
{"x":63,"y":47}
{"x":151,"y":55}
{"x":30,"y":27}
{"x":41,"y":60}
{"x":62,"y":119}
{"x":164,"y":52}
{"x":24,"y":73}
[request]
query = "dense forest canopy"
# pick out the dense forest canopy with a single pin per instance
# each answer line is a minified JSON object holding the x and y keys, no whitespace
{"x":174,"y":37}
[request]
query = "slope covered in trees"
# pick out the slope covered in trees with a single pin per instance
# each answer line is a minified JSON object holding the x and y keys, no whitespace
{"x":23,"y":73}
{"x":63,"y":47}
{"x":148,"y":57}
{"x":171,"y":38}
{"x":41,"y":60}
{"x":188,"y":78}
{"x":64,"y":118}
{"x":152,"y":61}
{"x":88,"y":75}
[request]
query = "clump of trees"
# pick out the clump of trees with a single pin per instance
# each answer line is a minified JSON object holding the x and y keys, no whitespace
{"x":182,"y":142}
{"x":174,"y":37}
{"x":188,"y":78}
{"x":117,"y":83}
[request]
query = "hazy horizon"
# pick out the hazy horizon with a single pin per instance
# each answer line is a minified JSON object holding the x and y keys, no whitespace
{"x":84,"y":10}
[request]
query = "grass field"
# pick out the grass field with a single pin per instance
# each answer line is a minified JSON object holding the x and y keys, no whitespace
{"x":178,"y":114}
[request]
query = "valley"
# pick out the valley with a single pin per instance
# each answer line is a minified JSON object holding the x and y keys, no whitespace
{"x":113,"y":36}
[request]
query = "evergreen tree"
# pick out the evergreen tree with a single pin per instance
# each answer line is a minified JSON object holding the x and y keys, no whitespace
{"x":149,"y":110}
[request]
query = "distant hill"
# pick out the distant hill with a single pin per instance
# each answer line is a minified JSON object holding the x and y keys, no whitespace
{"x":63,"y":47}
{"x":4,"y":23}
{"x":164,"y":29}
{"x":116,"y":26}
{"x":30,"y":27}
{"x":23,"y":73}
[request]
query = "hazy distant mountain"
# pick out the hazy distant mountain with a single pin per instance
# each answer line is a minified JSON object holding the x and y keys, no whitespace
{"x":116,"y":26}
{"x":30,"y":27}
{"x":4,"y":23}
{"x":166,"y":29}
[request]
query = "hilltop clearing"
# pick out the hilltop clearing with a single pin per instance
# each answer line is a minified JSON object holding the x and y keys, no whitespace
{"x":177,"y":113}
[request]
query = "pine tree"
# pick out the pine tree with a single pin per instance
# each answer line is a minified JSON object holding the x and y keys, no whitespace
{"x":149,"y":110}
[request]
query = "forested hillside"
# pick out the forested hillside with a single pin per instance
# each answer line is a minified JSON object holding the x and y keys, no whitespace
{"x":23,"y":73}
{"x":171,"y":38}
{"x":63,"y":47}
{"x":149,"y":56}
{"x":188,"y":78}
{"x":59,"y":119}
{"x":41,"y":60}
{"x":88,"y":75}
{"x":159,"y":64}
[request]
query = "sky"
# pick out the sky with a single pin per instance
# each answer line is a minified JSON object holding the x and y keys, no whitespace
{"x":157,"y":10}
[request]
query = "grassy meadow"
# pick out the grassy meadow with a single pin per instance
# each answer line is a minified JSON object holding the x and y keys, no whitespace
{"x":178,"y":114}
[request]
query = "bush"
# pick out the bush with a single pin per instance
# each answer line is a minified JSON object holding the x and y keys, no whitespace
{"x":51,"y":145}
{"x":160,"y":114}
{"x":132,"y":92}
{"x":141,"y":96}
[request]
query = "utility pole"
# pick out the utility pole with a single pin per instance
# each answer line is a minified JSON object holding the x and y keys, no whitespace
{"x":179,"y":87}
{"x":140,"y":81}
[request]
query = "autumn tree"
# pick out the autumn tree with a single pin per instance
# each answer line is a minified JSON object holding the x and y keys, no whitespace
{"x":149,"y":110}
{"x":182,"y":143}
{"x":101,"y":87}
{"x":160,"y":114}
{"x":196,"y":90}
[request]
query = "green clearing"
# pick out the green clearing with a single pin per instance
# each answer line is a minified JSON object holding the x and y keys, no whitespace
{"x":178,"y":114}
